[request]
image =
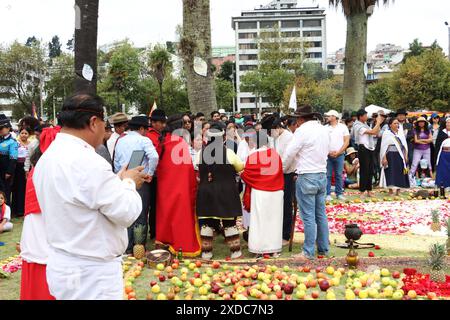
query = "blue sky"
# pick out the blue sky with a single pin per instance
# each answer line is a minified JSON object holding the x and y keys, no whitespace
{"x":151,"y":21}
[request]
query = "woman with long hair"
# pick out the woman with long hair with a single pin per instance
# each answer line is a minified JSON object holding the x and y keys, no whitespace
{"x":176,"y":227}
{"x":443,"y":155}
{"x":33,"y":243}
{"x":422,"y":144}
{"x":264,"y":197}
{"x":394,"y":159}
{"x":18,"y":187}
{"x":434,"y":127}
{"x":218,"y":200}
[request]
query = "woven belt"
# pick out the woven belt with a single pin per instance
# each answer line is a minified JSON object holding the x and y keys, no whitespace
{"x":446,"y":149}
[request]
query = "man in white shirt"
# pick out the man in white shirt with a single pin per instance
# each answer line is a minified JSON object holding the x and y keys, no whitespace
{"x":364,"y":136}
{"x":134,"y":140}
{"x":339,"y":142}
{"x":86,"y":207}
{"x":283,"y":138}
{"x":309,"y":149}
{"x":120,"y":123}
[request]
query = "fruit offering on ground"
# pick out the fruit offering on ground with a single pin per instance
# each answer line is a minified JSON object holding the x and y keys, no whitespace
{"x":215,"y":281}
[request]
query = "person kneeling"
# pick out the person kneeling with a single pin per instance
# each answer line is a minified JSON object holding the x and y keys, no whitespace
{"x":5,"y":215}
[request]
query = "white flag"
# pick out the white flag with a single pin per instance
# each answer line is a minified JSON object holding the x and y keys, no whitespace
{"x":293,"y":101}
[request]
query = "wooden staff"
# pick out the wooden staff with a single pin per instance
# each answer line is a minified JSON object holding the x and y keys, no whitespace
{"x":294,"y":217}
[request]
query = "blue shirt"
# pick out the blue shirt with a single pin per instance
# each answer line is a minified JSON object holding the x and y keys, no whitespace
{"x":9,"y":150}
{"x":9,"y":147}
{"x":134,"y":141}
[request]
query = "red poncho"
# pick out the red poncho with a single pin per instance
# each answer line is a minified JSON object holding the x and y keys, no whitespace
{"x":263,"y":171}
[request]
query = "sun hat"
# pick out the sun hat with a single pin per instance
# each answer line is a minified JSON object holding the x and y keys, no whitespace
{"x":350,"y":151}
{"x":118,"y":118}
{"x":421,"y":119}
{"x":333,"y":113}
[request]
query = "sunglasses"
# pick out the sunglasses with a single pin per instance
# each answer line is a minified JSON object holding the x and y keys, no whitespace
{"x":187,"y":121}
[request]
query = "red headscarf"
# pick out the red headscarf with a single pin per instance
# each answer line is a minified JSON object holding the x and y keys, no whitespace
{"x":48,"y":135}
{"x":263,"y":171}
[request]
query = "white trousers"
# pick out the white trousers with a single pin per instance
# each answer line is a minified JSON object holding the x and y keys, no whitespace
{"x":75,"y":278}
{"x":266,"y":222}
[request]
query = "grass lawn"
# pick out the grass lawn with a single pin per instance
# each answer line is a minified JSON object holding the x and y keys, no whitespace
{"x":405,"y":245}
{"x":10,"y":288}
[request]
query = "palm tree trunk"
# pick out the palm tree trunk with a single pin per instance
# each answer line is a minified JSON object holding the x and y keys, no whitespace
{"x":355,"y":57}
{"x":161,"y":102}
{"x":86,"y":31}
{"x":196,"y":42}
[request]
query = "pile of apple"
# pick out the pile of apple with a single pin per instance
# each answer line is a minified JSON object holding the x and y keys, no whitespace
{"x":191,"y":280}
{"x":132,"y":269}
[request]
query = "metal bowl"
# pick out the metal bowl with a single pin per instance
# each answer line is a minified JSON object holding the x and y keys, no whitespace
{"x":156,"y":257}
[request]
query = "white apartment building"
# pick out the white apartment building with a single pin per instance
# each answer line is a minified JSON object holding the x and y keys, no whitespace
{"x":305,"y":23}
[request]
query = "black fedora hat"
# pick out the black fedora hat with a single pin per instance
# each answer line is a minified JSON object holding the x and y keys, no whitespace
{"x":4,"y":121}
{"x":306,"y":112}
{"x":401,"y":111}
{"x":139,"y":121}
{"x":158,"y":115}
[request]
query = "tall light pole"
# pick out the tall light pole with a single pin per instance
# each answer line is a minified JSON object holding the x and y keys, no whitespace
{"x":448,"y":27}
{"x":234,"y":88}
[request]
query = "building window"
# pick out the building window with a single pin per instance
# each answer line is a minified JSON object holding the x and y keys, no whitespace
{"x":290,"y":24}
{"x":248,"y":100}
{"x":248,"y":46}
{"x":307,"y":34}
{"x":312,"y":23}
{"x":248,"y":35}
{"x":248,"y":57}
{"x":248,"y":25}
{"x":247,"y":67}
{"x":315,"y":44}
{"x":269,"y":34}
{"x":290,"y":34}
{"x":265,"y":100}
{"x":268,"y":24}
{"x":315,"y":55}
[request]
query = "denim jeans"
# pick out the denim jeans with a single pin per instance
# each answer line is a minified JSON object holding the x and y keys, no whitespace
{"x":311,"y":193}
{"x":336,"y":165}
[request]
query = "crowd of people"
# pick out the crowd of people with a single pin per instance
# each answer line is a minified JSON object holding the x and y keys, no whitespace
{"x":82,"y":204}
{"x":395,"y":152}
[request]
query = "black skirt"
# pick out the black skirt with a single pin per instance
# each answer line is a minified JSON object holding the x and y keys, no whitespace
{"x":395,"y":175}
{"x":18,"y":191}
{"x":218,"y":194}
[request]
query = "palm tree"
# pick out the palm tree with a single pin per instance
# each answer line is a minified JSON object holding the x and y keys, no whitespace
{"x":160,"y":64}
{"x":86,"y":30}
{"x":195,"y":45}
{"x":357,"y":13}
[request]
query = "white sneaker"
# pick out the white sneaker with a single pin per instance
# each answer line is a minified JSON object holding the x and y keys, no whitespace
{"x":328,"y":198}
{"x":342,"y":198}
